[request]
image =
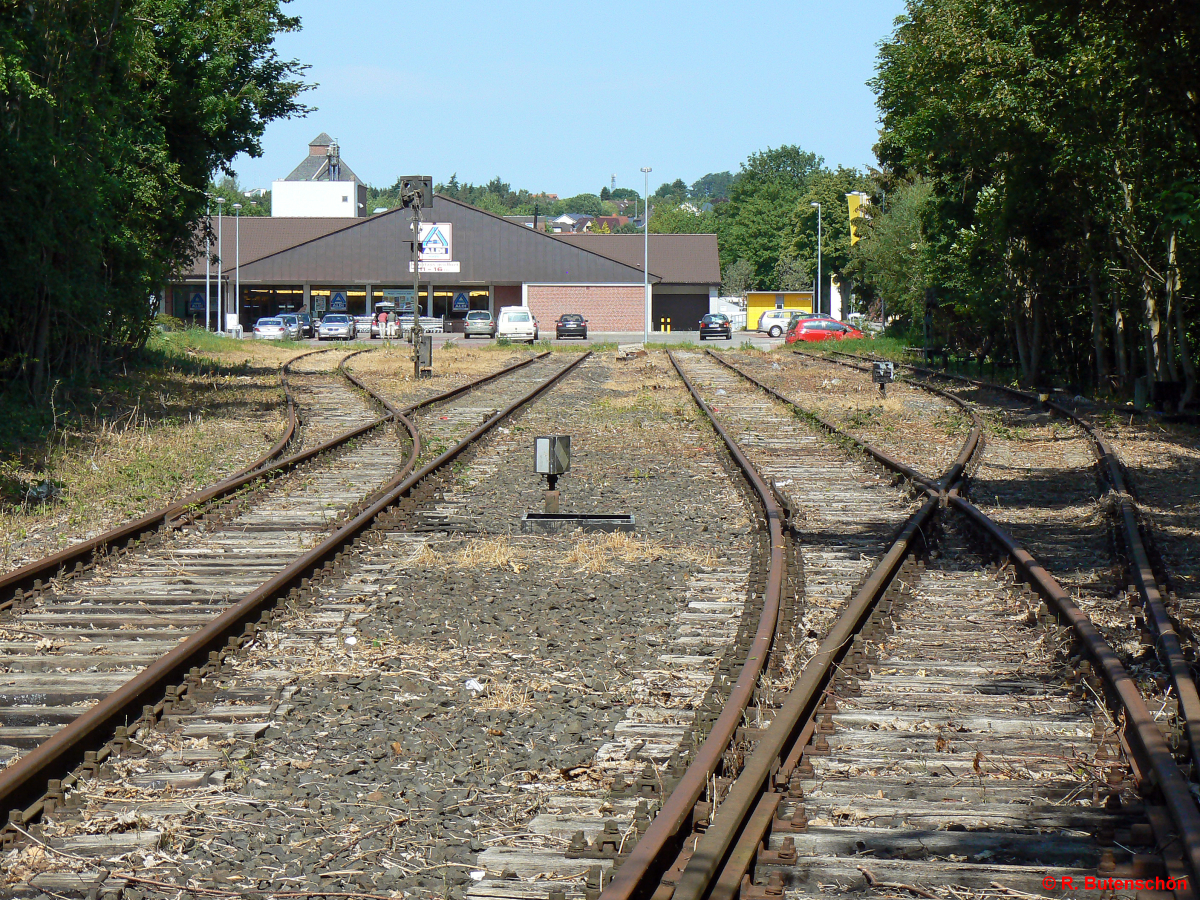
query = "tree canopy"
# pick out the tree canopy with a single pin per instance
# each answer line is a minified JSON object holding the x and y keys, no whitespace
{"x":1058,"y":144}
{"x":116,"y":115}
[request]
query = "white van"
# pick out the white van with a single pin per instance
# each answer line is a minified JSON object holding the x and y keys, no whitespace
{"x":517,"y":324}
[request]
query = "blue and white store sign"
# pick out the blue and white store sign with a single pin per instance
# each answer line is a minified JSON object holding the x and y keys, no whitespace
{"x":337,"y":301}
{"x":462,"y":302}
{"x":196,"y":304}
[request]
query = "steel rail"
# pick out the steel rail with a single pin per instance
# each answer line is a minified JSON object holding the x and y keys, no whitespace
{"x":955,"y":472}
{"x":24,"y":781}
{"x":33,"y":575}
{"x":1154,"y":754}
{"x":728,"y":846}
{"x":1149,"y":744}
{"x":1167,"y":644}
{"x":635,"y":880}
{"x":42,"y":570}
{"x":646,"y":861}
{"x":717,"y":843}
{"x":901,"y":468}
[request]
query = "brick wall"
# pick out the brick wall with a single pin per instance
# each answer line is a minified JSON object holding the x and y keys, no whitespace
{"x":608,"y":307}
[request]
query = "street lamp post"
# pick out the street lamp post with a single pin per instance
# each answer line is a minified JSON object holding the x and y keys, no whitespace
{"x":220,"y":269}
{"x":207,"y":260}
{"x":646,"y":256}
{"x":237,"y":262}
{"x":817,"y":311}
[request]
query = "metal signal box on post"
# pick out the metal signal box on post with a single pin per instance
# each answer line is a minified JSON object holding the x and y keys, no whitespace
{"x":883,"y":374}
{"x":552,"y":454}
{"x":424,"y":356}
{"x":552,"y":457}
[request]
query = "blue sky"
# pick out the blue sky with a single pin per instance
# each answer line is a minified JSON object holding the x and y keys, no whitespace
{"x":558,"y":96}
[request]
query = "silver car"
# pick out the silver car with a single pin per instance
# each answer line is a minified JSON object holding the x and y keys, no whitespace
{"x":479,"y":323}
{"x":336,"y":326}
{"x":291,"y":322}
{"x":270,"y":328}
{"x":775,"y":321}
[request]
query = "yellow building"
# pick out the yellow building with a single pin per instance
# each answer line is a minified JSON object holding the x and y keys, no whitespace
{"x":758,"y":302}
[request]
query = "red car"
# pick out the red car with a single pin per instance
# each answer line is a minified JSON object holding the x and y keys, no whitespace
{"x":821,"y":329}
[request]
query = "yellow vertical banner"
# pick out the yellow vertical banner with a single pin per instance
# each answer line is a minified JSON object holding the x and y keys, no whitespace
{"x":856,"y":202}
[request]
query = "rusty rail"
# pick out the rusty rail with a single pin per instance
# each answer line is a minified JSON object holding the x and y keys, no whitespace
{"x":32,"y":575}
{"x":1149,"y":745}
{"x":722,"y":855}
{"x":75,"y":558}
{"x":1167,"y":643}
{"x":1154,"y":757}
{"x":24,"y":782}
{"x":673,"y":822}
{"x":637,"y":877}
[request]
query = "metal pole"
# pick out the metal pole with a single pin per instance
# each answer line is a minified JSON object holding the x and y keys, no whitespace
{"x":417,"y":332}
{"x":220,"y":269}
{"x":817,"y":308}
{"x":207,"y":262}
{"x":646,"y":257}
{"x":237,"y":262}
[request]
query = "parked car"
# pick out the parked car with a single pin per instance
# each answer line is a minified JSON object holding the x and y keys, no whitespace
{"x":336,"y":325}
{"x":517,"y":324}
{"x":716,"y":325}
{"x":376,"y":325}
{"x":479,"y":323}
{"x":270,"y":328}
{"x":570,"y":325}
{"x":362,"y":325}
{"x":291,"y":322}
{"x":820,"y":329}
{"x":775,"y":321}
{"x":306,"y":325}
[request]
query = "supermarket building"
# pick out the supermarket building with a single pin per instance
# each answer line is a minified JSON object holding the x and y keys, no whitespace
{"x":472,"y":260}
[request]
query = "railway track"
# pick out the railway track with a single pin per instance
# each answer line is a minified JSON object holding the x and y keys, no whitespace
{"x":962,"y":728}
{"x":139,"y":633}
{"x":1163,"y":622}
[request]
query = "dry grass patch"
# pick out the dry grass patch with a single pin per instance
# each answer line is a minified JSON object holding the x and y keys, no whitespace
{"x":388,"y":369}
{"x":476,"y":554}
{"x":598,"y":553}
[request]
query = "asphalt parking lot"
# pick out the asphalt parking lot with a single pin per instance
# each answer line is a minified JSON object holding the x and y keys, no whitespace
{"x":758,"y":341}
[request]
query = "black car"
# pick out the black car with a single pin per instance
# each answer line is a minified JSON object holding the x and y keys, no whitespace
{"x":716,"y":325}
{"x":570,"y":325}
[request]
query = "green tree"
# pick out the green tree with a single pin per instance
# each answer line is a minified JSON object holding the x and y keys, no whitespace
{"x":604,"y":193}
{"x":737,"y":278}
{"x":227,"y":186}
{"x":116,"y":116}
{"x":584,"y":204}
{"x":830,"y":190}
{"x":713,"y":186}
{"x":672,"y":218}
{"x":757,"y":223}
{"x":891,"y":255}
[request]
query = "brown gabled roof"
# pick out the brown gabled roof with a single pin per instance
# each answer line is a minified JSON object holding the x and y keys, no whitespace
{"x":264,"y":235}
{"x":675,"y":258}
